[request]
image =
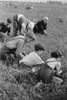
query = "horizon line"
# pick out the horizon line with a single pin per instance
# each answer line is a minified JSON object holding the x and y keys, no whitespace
{"x":31,"y":1}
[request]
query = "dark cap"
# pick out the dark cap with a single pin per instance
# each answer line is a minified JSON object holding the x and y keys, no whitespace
{"x":39,"y":47}
{"x":9,"y":20}
{"x":55,"y":54}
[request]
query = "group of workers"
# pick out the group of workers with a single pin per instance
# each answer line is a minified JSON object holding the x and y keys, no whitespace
{"x":23,"y":28}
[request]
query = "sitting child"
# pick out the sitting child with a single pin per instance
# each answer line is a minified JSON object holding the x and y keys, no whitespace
{"x":50,"y":69}
{"x":34,"y":57}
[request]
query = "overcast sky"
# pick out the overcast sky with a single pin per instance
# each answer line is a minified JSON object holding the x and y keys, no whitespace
{"x":35,"y":0}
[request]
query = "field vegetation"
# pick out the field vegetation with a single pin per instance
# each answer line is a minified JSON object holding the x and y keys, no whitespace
{"x":16,"y":83}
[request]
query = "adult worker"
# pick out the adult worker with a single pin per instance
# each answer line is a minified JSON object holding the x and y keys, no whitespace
{"x":13,"y":46}
{"x":21,"y":25}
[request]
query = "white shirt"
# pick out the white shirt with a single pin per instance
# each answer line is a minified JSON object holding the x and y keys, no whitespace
{"x":54,"y":63}
{"x":31,"y":25}
{"x":20,"y":15}
{"x":24,"y":20}
{"x":32,"y":59}
{"x":12,"y":43}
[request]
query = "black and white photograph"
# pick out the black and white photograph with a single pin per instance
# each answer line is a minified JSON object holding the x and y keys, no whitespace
{"x":33,"y":49}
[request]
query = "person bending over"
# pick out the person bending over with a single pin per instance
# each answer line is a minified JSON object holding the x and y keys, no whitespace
{"x":13,"y":46}
{"x":50,"y":70}
{"x":22,"y":25}
{"x":41,"y":26}
{"x":34,"y":58}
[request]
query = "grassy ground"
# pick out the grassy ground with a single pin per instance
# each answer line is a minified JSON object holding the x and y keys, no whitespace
{"x":10,"y":89}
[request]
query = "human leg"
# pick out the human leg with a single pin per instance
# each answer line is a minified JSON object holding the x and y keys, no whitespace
{"x":15,"y":26}
{"x":3,"y":52}
{"x":2,"y":36}
{"x":19,"y":49}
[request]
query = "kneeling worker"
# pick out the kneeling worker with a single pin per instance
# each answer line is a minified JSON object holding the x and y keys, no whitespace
{"x":13,"y":46}
{"x":34,"y":58}
{"x":47,"y":70}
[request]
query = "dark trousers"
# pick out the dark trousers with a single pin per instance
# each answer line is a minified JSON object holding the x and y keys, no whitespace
{"x":5,"y":51}
{"x":16,"y":26}
{"x":2,"y":36}
{"x":45,"y":74}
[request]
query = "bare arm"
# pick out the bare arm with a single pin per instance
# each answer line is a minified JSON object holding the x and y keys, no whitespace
{"x":31,"y":35}
{"x":58,"y":69}
{"x":45,"y":32}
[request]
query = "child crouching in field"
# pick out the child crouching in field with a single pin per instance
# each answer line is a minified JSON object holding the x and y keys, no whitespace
{"x":46,"y":70}
{"x":50,"y":71}
{"x":13,"y":46}
{"x":41,"y":26}
{"x":33,"y":58}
